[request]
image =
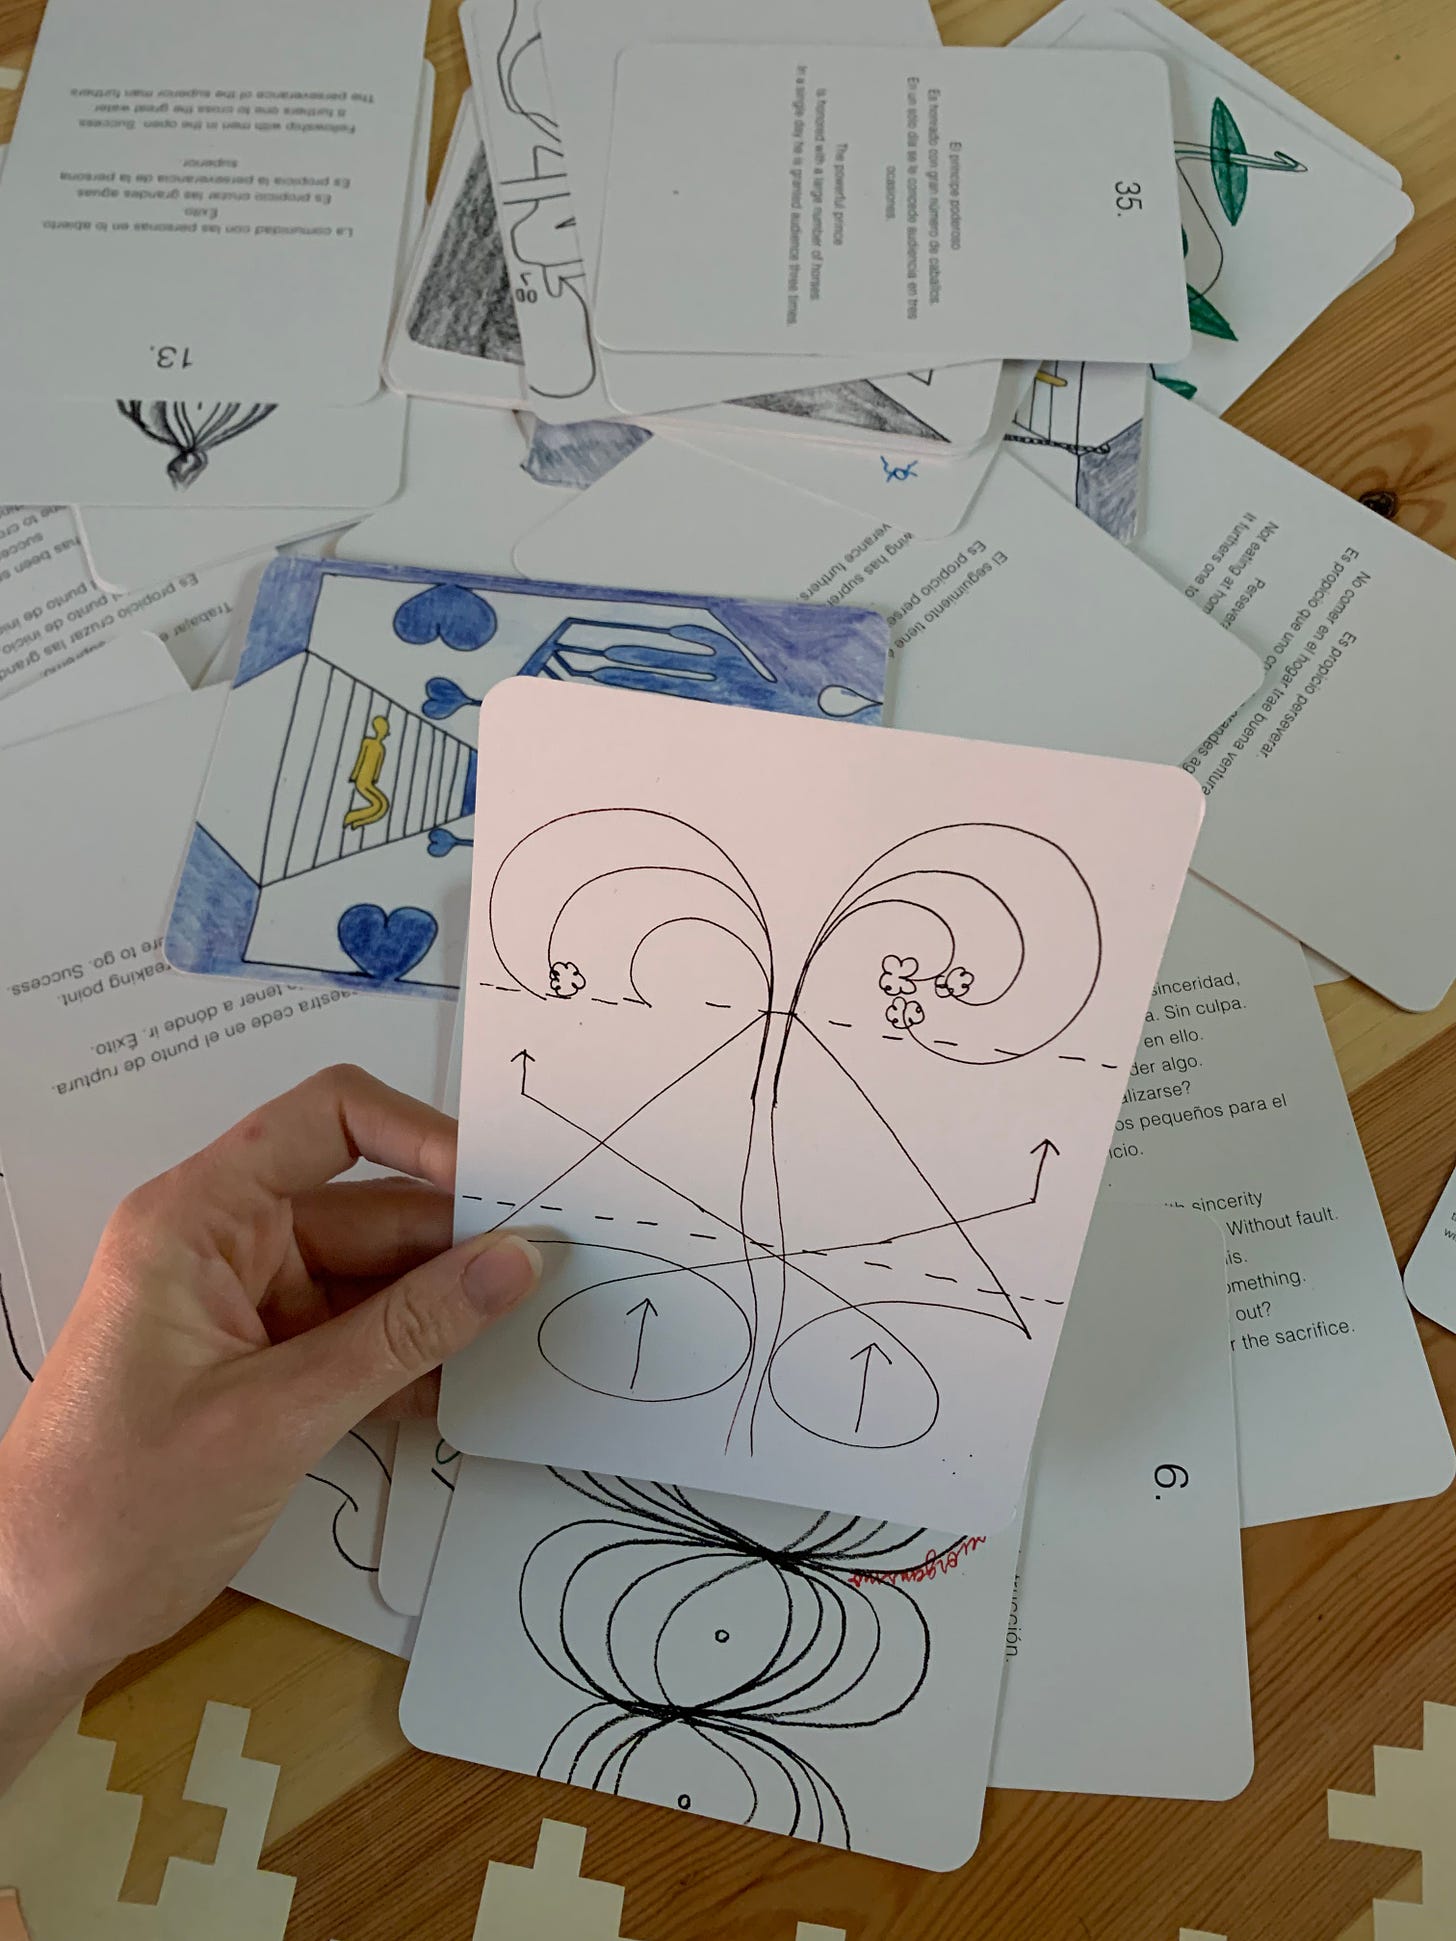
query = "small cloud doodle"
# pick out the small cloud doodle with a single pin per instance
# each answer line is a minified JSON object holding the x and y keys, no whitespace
{"x":897,"y":976}
{"x":904,"y":1013}
{"x":955,"y":982}
{"x":566,"y":980}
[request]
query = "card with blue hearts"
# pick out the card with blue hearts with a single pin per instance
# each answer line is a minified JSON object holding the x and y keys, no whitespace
{"x":333,"y":839}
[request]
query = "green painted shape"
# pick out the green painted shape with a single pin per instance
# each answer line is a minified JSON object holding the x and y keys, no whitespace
{"x":1178,"y":384}
{"x":1230,"y":177}
{"x":1206,"y":320}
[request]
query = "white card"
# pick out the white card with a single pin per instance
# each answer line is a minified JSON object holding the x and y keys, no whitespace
{"x":581,"y":44}
{"x":1236,"y":1109}
{"x":1279,"y":215}
{"x":52,"y":612}
{"x":1185,"y":39}
{"x":422,"y":1482}
{"x":129,"y":547}
{"x":455,"y":334}
{"x":1027,"y":626}
{"x":1321,"y":970}
{"x":321,"y":1559}
{"x":136,"y":452}
{"x":926,"y":496}
{"x":1127,"y":1670}
{"x":1430,"y":1274}
{"x":131,"y":669}
{"x":841,"y":199}
{"x":467,"y":496}
{"x":1330,"y":793}
{"x":131,"y":544}
{"x":514,"y":1636}
{"x":20,"y":1343}
{"x":876,"y":1343}
{"x":116,"y":1068}
{"x":945,"y":412}
{"x":548,"y":280}
{"x":1081,"y":429}
{"x":233,"y":182}
{"x":830,"y":1677}
{"x":532,"y":209}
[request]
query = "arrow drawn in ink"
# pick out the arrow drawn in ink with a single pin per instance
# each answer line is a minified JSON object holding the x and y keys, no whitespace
{"x":645,"y":1308}
{"x":1046,"y":1149}
{"x":526,"y":1060}
{"x":866,"y":1355}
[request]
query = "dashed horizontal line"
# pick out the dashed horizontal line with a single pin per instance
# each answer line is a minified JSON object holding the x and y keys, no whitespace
{"x":1110,"y":1068}
{"x":604,"y":1216}
{"x":702,"y":1236}
{"x":714,"y":1005}
{"x":954,"y":1043}
{"x":879,"y":1263}
{"x":942,"y":1277}
{"x":545,"y":1208}
{"x":472,"y":1196}
{"x":1071,"y":1058}
{"x":605,"y":1000}
{"x":647,"y":1223}
{"x":840,"y":1024}
{"x":505,"y":1202}
{"x":892,"y":1038}
{"x":1050,"y":1303}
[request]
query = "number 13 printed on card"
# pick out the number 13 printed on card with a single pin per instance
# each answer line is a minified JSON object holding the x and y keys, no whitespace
{"x":334,"y":834}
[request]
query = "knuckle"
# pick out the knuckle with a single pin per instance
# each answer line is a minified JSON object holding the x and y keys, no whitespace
{"x":343,"y":1077}
{"x":411,"y":1328}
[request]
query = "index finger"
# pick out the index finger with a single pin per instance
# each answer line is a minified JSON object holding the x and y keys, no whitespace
{"x":325,"y":1125}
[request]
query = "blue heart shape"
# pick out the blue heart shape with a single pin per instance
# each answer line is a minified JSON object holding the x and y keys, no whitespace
{"x":387,"y":948}
{"x":444,"y":698}
{"x":443,"y":841}
{"x":450,"y":613}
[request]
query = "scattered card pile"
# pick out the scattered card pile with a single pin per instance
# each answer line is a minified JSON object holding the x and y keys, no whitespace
{"x":907,"y":1133}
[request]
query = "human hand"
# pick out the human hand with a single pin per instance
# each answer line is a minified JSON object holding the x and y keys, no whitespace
{"x":241,"y":1315}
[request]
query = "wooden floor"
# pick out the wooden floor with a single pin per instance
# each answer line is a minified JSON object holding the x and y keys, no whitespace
{"x":1352,"y":1618}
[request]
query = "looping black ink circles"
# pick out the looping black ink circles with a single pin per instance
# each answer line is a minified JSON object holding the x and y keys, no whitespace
{"x":716,"y":1663}
{"x":971,"y":945}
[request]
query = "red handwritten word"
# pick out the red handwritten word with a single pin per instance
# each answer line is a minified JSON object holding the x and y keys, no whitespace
{"x":938,"y":1563}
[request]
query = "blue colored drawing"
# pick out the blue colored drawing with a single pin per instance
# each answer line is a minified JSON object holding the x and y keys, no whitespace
{"x":443,"y":841}
{"x":387,"y":948}
{"x":450,"y":613}
{"x":897,"y":474}
{"x":345,"y":773}
{"x":444,"y":698}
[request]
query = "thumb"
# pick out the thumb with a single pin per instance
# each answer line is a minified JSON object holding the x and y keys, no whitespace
{"x":353,"y":1364}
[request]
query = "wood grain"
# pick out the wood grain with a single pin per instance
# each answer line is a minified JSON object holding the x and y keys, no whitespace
{"x":1352,"y":1618}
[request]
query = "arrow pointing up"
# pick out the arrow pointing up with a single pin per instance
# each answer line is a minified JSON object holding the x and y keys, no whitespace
{"x":1045,"y":1149}
{"x":867,"y":1355}
{"x":645,"y":1308}
{"x":525,"y":1060}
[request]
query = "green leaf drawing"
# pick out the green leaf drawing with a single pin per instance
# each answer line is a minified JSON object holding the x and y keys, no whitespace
{"x":1178,"y":384}
{"x":1226,"y":152}
{"x":1207,"y":321}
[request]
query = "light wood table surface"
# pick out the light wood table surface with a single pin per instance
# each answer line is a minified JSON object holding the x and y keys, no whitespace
{"x":1352,"y":1619}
